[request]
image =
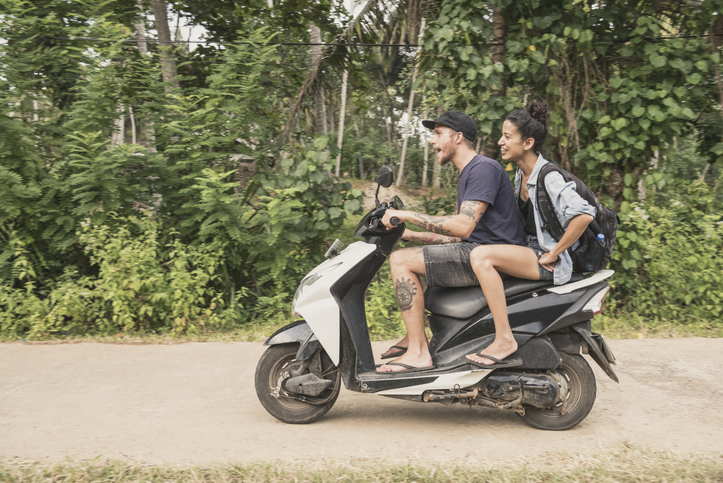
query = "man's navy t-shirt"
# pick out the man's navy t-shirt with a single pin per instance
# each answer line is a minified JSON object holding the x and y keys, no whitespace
{"x":483,"y":179}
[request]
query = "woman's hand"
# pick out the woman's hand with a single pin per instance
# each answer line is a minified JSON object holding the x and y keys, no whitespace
{"x":548,"y":261}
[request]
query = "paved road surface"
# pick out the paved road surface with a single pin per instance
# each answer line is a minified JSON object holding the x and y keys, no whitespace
{"x":195,"y":403}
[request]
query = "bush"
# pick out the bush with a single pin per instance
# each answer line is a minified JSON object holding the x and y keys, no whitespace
{"x":668,"y":260}
{"x":142,"y":285}
{"x":238,"y":256}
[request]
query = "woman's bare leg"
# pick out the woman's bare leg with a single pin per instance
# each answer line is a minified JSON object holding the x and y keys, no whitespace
{"x":487,"y":261}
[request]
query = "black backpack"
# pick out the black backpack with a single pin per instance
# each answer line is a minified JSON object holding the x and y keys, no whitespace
{"x":590,"y":255}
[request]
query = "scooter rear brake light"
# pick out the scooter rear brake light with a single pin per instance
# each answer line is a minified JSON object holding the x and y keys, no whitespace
{"x":595,"y":303}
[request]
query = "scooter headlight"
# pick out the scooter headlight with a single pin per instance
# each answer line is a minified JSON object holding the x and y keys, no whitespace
{"x":308,"y":281}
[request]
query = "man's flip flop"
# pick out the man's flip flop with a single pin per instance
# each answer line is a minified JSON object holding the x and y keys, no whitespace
{"x":407,"y":368}
{"x":401,"y":351}
{"x":497,"y":363}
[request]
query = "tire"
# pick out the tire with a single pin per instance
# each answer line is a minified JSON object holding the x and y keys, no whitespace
{"x":580,"y":397}
{"x":270,"y":376}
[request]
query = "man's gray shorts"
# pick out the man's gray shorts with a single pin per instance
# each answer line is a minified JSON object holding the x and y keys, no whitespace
{"x":448,"y":265}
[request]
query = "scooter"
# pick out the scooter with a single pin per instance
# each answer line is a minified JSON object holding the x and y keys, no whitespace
{"x":299,"y":376}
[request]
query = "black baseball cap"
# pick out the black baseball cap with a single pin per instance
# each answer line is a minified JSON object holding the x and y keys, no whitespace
{"x":459,"y":121}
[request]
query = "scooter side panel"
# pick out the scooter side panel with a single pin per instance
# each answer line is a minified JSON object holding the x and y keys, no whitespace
{"x":317,"y":305}
{"x":525,"y":312}
{"x":443,"y":382}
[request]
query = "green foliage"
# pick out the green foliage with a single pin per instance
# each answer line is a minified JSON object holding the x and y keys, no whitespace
{"x":668,"y":263}
{"x":618,"y":93}
{"x":443,"y":203}
{"x":384,"y":318}
{"x":225,"y":246}
{"x":77,"y":254}
{"x":142,"y":285}
{"x":149,"y":279}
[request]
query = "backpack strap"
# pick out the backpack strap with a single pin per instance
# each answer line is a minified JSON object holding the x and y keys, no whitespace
{"x":550,"y":222}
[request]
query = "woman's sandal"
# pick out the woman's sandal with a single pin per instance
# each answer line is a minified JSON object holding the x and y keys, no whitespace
{"x":497,"y":362}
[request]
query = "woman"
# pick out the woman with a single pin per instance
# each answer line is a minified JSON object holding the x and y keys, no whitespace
{"x":523,"y":133}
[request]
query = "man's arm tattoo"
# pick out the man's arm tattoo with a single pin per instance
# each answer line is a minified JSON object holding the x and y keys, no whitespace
{"x":468,"y":209}
{"x":405,"y":290}
{"x":432,"y":223}
{"x":434,"y":239}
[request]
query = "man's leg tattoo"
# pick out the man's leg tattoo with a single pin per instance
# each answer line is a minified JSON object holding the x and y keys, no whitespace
{"x":405,"y":290}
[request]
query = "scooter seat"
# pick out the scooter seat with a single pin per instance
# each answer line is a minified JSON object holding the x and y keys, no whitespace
{"x":464,"y":302}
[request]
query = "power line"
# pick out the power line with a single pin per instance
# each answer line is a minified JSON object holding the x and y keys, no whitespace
{"x":333,"y":44}
{"x":306,"y":44}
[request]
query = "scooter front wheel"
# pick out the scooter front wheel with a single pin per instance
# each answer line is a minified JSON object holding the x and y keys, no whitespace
{"x":576,"y":405}
{"x":271,"y":372}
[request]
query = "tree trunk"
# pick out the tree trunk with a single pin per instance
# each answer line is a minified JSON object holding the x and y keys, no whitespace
{"x":148,"y":138}
{"x":362,"y":175}
{"x":332,"y":127}
{"x":425,"y":145}
{"x":118,"y":135}
{"x":342,"y":111}
{"x":133,"y":124}
{"x":414,"y":40}
{"x":498,"y":54}
{"x":715,"y":40}
{"x":389,"y":114}
{"x":437,"y":171}
{"x":141,"y":29}
{"x":406,"y":129}
{"x":168,"y":62}
{"x":319,"y":98}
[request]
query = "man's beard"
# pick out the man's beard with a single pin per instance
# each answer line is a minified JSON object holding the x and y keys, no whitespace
{"x":448,"y":151}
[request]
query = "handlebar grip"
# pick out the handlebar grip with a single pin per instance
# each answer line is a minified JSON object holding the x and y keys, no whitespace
{"x":394,"y":221}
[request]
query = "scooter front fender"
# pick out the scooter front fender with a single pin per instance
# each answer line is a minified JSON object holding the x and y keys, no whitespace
{"x":296,"y":332}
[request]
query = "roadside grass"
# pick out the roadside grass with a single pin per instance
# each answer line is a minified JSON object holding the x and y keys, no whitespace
{"x":622,"y":463}
{"x":633,"y":326}
{"x":385,"y":324}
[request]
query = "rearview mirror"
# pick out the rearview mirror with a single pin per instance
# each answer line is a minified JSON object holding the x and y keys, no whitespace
{"x":385,"y":176}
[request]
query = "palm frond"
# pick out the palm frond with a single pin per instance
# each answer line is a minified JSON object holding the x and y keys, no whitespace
{"x":379,"y":22}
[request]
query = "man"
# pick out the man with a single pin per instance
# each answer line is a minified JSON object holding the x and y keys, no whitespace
{"x":486,"y":214}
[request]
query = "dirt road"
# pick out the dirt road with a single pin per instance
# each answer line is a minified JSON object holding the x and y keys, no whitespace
{"x":195,"y":403}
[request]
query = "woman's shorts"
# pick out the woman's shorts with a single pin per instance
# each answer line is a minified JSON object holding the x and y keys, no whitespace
{"x":535,"y":246}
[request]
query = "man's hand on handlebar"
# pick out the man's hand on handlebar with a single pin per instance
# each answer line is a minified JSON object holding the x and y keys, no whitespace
{"x":392,"y":218}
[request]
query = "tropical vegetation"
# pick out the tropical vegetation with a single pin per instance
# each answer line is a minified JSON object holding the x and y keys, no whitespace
{"x":155,"y":183}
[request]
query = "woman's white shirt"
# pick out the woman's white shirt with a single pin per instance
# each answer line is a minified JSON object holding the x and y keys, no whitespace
{"x":568,"y":204}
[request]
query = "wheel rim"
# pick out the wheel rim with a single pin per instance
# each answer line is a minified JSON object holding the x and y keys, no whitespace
{"x":276,"y":378}
{"x":573,"y":396}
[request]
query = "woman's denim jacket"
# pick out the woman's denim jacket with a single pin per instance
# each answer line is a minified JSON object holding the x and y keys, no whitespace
{"x":568,"y":204}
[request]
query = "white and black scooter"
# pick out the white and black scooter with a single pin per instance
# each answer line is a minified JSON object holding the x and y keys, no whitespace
{"x":299,"y":376}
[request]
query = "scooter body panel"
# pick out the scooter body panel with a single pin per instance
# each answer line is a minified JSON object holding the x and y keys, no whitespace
{"x":461,"y":379}
{"x":315,"y":303}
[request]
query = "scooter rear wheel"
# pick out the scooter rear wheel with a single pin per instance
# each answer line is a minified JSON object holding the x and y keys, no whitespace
{"x":271,"y":372}
{"x":579,"y":400}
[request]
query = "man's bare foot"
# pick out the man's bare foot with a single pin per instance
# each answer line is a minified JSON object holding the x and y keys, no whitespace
{"x":397,"y":349}
{"x":499,"y":349}
{"x":417,"y":361}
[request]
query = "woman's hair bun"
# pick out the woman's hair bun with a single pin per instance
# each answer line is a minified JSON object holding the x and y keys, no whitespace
{"x":539,"y":111}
